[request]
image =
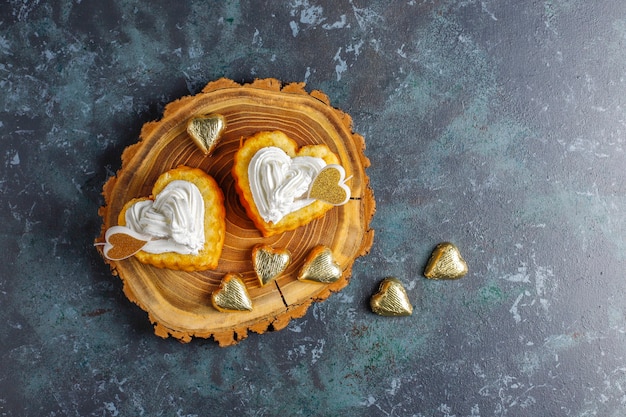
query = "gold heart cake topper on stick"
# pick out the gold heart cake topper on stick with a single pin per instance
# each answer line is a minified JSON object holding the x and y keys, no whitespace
{"x":206,"y":131}
{"x":445,"y":262}
{"x":122,"y":242}
{"x":232,"y":295}
{"x":391,"y":299}
{"x":319,"y":266}
{"x":330,"y":186}
{"x":269,"y":263}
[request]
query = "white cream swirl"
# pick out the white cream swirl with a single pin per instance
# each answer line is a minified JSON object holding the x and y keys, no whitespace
{"x":279,"y":183}
{"x":175,"y":219}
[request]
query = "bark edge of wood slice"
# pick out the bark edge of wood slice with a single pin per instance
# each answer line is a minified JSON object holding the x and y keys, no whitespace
{"x":178,"y":303}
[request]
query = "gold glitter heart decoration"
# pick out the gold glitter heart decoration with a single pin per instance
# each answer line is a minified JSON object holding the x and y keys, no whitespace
{"x":122,"y":242}
{"x":329,"y":186}
{"x":206,"y":131}
{"x":269,"y":263}
{"x":232,"y":295}
{"x":445,"y":262}
{"x":391,"y":299}
{"x":319,"y":266}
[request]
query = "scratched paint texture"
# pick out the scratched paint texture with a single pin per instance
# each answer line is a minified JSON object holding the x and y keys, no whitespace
{"x":498,"y":125}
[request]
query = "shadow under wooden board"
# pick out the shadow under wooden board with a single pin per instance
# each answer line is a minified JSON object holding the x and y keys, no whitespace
{"x":179,"y":303}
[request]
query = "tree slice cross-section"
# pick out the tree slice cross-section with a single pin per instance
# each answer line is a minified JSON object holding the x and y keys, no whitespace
{"x":179,"y":303}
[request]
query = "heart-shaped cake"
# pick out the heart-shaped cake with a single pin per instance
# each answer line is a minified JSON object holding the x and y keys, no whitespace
{"x":184,"y":218}
{"x":273,"y":177}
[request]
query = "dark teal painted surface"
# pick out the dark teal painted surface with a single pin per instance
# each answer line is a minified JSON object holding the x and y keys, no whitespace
{"x":498,"y":125}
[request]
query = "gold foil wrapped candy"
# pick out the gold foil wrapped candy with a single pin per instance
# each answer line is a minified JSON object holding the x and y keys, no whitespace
{"x":445,"y":262}
{"x":232,"y":295}
{"x":319,"y":266}
{"x":391,"y":299}
{"x":269,"y":263}
{"x":206,"y":131}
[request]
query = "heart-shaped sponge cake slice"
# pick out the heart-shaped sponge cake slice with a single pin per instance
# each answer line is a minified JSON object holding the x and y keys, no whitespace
{"x":184,"y":218}
{"x":273,"y":176}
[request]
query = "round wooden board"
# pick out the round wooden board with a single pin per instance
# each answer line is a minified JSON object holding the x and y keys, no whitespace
{"x":178,"y":303}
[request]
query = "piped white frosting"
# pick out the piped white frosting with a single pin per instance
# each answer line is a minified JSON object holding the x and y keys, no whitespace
{"x":279,"y":183}
{"x":174,"y":220}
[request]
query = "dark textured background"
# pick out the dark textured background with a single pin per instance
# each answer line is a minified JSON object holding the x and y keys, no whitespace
{"x":498,"y":125}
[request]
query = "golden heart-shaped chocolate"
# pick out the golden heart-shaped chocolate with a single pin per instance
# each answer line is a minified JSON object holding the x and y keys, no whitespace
{"x":391,"y":299}
{"x":319,"y":266}
{"x":330,"y":186}
{"x":122,"y":242}
{"x":445,"y":262}
{"x":269,"y":263}
{"x":206,"y":131}
{"x":232,"y":295}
